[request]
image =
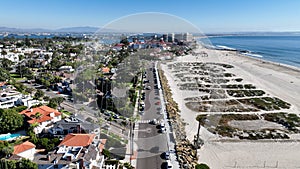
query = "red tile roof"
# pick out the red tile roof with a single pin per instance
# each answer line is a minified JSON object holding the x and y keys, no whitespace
{"x":105,"y":69}
{"x":78,"y":140}
{"x":23,"y":147}
{"x":2,"y":84}
{"x":45,"y":114}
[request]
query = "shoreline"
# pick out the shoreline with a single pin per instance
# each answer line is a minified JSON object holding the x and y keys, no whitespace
{"x":239,"y":53}
{"x":242,"y":52}
{"x":283,"y":65}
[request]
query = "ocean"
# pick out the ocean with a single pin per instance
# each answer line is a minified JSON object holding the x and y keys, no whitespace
{"x":280,"y":49}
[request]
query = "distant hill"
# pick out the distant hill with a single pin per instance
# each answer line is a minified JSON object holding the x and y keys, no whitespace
{"x":77,"y":29}
{"x":85,"y":29}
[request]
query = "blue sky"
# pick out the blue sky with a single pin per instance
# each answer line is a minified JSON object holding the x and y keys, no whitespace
{"x":207,"y":15}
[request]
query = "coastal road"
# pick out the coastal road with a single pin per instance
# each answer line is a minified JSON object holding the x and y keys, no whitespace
{"x":151,"y":143}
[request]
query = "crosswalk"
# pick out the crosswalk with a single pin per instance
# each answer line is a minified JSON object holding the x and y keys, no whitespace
{"x":143,"y":121}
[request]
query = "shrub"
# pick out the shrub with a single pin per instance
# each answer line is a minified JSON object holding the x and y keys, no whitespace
{"x":201,"y":166}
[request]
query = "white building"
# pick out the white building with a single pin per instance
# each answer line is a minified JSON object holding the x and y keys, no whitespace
{"x":187,"y":37}
{"x":66,"y":68}
{"x":8,"y":99}
{"x":25,"y":150}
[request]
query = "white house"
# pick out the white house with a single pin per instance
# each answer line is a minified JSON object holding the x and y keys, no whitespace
{"x":25,"y":150}
{"x":66,"y":68}
{"x":75,"y":151}
{"x":8,"y":99}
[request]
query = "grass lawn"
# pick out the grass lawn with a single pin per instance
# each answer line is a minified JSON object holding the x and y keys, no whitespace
{"x":17,"y":77}
{"x":66,"y":113}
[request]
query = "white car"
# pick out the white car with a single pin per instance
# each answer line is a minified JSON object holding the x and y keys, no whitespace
{"x":169,"y":164}
{"x":163,"y":130}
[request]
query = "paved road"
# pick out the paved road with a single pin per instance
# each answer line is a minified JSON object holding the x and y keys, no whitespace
{"x":151,"y":144}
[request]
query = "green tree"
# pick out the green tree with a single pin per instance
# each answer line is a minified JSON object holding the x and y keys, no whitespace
{"x":38,"y":94}
{"x":6,"y":64}
{"x":27,"y":42}
{"x":23,"y":70}
{"x":29,"y":90}
{"x":4,"y":74}
{"x":37,"y":115}
{"x":46,"y":98}
{"x":7,"y":151}
{"x":10,"y":120}
{"x":56,"y":101}
{"x":4,"y":164}
{"x":33,"y":138}
{"x":21,"y":57}
{"x":125,"y":41}
{"x":20,"y":87}
{"x":52,"y":104}
{"x":201,"y":166}
{"x":106,"y":154}
{"x":20,"y":108}
{"x":55,"y":63}
{"x":3,"y":144}
{"x":3,"y":52}
{"x":26,"y":164}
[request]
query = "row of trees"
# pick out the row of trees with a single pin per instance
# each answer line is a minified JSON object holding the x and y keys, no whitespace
{"x":21,"y":164}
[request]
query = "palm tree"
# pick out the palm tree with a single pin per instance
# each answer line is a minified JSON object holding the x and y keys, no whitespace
{"x":37,"y":115}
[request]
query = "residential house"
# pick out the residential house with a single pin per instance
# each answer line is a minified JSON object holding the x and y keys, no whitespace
{"x":75,"y":151}
{"x":66,"y":69}
{"x":14,"y":57}
{"x":44,"y":116}
{"x":73,"y":124}
{"x":8,"y":98}
{"x":27,"y":101}
{"x":25,"y":150}
{"x":118,"y":47}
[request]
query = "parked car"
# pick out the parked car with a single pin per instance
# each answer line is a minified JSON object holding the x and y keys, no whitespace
{"x":167,"y":165}
{"x":107,"y":113}
{"x":166,"y":155}
{"x":116,"y":116}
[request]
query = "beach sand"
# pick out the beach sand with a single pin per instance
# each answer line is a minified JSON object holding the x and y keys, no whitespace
{"x":276,"y":80}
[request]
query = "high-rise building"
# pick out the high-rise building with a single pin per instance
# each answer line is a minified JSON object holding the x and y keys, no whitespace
{"x":184,"y":37}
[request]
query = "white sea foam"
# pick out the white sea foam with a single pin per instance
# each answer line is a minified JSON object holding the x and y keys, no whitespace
{"x":225,"y":47}
{"x":253,"y":55}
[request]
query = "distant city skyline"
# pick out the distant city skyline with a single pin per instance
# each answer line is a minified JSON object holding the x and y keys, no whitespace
{"x":209,"y":15}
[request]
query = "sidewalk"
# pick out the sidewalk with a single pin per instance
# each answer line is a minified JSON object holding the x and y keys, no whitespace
{"x":131,"y":147}
{"x":170,"y":143}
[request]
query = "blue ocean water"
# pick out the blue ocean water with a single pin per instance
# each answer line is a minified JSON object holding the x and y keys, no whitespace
{"x":281,"y":49}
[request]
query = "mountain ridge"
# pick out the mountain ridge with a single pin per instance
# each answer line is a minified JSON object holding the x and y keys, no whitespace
{"x":79,"y":29}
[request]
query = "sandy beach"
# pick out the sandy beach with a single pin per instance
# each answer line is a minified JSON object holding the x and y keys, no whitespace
{"x":276,"y":80}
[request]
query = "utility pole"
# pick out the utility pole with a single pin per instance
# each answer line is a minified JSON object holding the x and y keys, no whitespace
{"x":197,"y":141}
